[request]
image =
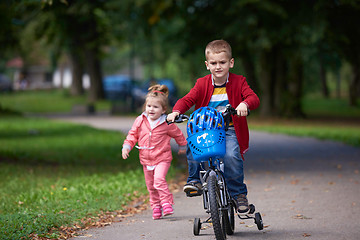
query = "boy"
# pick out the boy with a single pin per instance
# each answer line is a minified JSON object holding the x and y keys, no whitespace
{"x":217,"y":90}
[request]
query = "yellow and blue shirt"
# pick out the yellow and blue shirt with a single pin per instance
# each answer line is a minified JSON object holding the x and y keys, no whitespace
{"x":219,"y":98}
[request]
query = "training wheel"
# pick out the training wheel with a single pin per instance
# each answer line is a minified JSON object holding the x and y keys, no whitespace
{"x":197,"y":226}
{"x":258,"y":221}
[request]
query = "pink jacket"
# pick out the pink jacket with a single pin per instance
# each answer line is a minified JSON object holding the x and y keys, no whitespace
{"x":153,"y":144}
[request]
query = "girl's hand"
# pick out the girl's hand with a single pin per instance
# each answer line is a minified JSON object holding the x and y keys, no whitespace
{"x":125,"y":153}
{"x":182,"y":151}
{"x":242,"y":110}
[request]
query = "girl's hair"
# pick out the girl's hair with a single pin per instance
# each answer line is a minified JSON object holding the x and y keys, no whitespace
{"x":161,"y":92}
{"x":218,"y":46}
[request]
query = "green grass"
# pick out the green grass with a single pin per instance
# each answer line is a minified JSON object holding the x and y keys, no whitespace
{"x":41,"y":198}
{"x":54,"y":174}
{"x":316,"y":106}
{"x":45,"y":101}
{"x":40,"y":141}
{"x":349,"y":134}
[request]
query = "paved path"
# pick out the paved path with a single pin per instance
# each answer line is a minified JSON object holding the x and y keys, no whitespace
{"x":304,"y":189}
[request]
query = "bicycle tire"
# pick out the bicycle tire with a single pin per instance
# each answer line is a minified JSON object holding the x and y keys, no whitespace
{"x":214,"y":208}
{"x":228,"y":218}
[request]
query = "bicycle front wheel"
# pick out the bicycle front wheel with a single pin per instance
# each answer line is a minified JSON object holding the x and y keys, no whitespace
{"x":214,"y":202}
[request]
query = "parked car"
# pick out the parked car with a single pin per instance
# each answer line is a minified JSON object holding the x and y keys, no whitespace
{"x":139,"y":92}
{"x":5,"y":84}
{"x":118,"y":87}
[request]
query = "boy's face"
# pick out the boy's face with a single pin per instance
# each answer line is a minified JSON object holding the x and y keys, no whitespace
{"x":219,"y":65}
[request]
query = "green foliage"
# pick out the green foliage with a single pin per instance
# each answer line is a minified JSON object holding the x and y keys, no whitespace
{"x":54,"y":174}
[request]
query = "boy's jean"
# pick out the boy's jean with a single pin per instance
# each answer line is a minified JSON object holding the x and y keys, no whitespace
{"x":233,"y":166}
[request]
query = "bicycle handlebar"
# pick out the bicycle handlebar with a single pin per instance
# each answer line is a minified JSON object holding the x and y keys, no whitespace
{"x":226,"y":115}
{"x":179,"y":119}
{"x":230,"y":111}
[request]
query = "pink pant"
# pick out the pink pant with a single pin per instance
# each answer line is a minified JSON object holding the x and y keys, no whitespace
{"x":157,"y":185}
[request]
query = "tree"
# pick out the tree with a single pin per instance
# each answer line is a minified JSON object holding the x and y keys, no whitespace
{"x":343,"y":34}
{"x":81,"y":29}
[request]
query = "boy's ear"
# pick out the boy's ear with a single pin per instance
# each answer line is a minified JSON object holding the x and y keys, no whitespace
{"x":232,"y":61}
{"x":206,"y":64}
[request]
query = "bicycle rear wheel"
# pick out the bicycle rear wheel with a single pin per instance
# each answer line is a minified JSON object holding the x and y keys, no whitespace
{"x":216,"y":214}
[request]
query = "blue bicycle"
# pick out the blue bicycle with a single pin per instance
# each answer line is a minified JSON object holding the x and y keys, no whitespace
{"x":206,"y":139}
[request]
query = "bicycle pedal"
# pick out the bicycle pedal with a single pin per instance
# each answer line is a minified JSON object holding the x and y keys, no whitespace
{"x":193,"y":193}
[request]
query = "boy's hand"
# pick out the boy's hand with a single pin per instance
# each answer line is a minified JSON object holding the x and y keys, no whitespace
{"x":242,"y":110}
{"x":171,"y":117}
{"x":125,"y":153}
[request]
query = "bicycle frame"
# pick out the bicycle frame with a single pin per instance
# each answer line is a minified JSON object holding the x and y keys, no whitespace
{"x":214,"y":168}
{"x":216,"y":198}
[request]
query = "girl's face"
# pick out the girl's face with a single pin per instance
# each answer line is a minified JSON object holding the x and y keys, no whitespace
{"x":219,"y":65}
{"x":154,"y":108}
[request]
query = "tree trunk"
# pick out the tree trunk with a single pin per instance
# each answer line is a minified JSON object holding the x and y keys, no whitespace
{"x":325,"y":89}
{"x":295,"y":80}
{"x":77,"y":71}
{"x":93,"y":65}
{"x":250,"y":71}
{"x":280,"y":87}
{"x":354,"y":84}
{"x":266,"y":107}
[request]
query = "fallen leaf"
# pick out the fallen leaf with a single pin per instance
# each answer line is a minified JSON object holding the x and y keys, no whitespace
{"x":306,"y":235}
{"x":295,"y":182}
{"x":300,"y":216}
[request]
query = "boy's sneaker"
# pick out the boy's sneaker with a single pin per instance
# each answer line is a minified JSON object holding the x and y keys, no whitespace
{"x":157,"y":213}
{"x":167,"y":209}
{"x":242,"y":204}
{"x":193,"y":189}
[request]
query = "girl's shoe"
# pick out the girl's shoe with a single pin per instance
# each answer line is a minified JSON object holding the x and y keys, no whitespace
{"x":157,"y":213}
{"x":167,"y":209}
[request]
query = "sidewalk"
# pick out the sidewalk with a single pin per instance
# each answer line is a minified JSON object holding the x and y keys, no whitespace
{"x":304,"y":188}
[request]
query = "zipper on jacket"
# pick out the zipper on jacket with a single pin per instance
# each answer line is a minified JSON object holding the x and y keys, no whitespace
{"x":149,"y":143}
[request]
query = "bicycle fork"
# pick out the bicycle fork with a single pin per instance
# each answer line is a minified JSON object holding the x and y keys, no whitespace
{"x":222,"y":194}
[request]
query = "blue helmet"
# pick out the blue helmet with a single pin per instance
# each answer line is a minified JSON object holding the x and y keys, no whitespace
{"x":205,"y":118}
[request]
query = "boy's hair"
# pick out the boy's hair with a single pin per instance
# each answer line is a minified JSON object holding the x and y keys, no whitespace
{"x":218,"y":46}
{"x":161,"y":92}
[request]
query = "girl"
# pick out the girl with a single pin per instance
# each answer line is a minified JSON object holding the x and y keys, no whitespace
{"x":153,"y":136}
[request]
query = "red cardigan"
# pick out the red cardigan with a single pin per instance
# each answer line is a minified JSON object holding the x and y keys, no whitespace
{"x":237,"y":90}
